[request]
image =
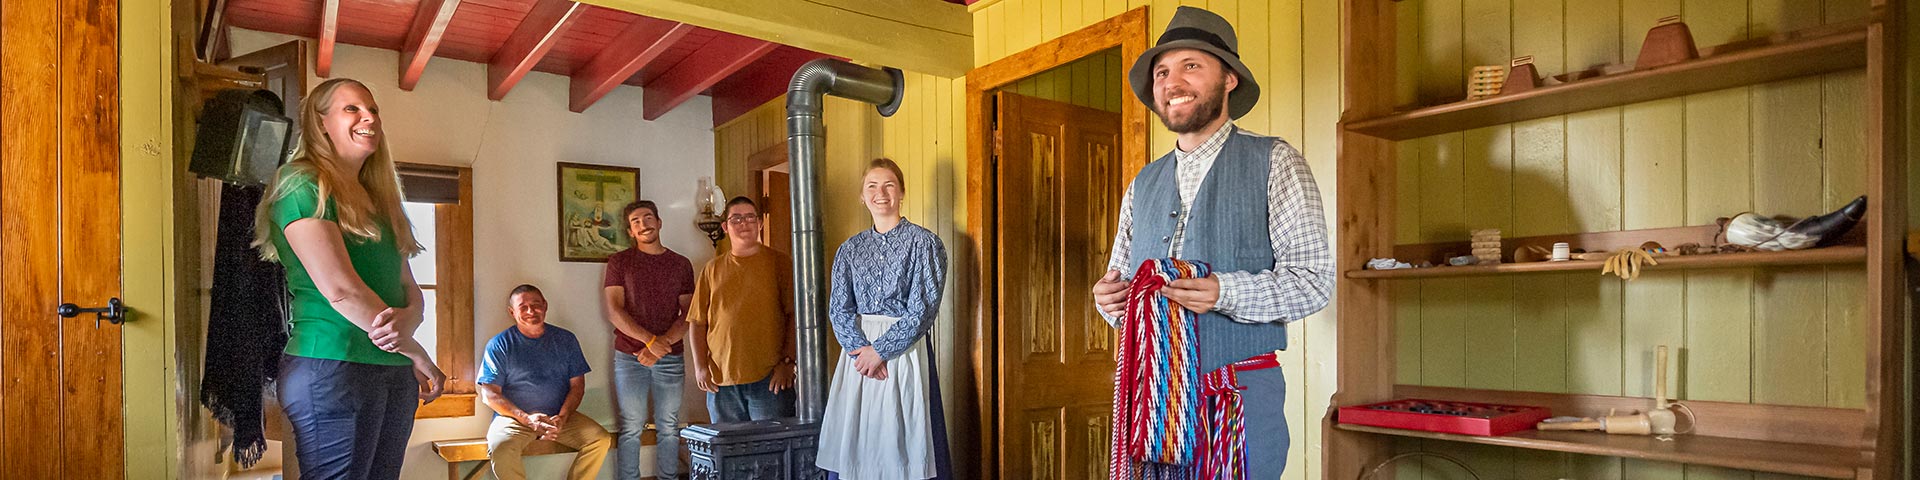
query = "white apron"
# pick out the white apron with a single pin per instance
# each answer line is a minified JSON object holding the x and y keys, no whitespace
{"x":879,"y":429}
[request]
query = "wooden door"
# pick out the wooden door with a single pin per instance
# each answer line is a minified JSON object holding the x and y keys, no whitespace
{"x":1059,"y":186}
{"x":776,"y":211}
{"x":60,"y":388}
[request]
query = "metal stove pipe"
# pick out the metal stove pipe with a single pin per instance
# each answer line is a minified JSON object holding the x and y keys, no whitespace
{"x":806,"y":142}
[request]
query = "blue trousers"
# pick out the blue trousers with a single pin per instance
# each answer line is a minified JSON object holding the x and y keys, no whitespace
{"x":350,"y":420}
{"x":750,"y":402}
{"x":1265,"y":401}
{"x":638,"y":391}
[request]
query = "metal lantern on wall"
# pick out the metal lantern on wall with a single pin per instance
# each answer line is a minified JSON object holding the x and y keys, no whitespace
{"x":709,"y":200}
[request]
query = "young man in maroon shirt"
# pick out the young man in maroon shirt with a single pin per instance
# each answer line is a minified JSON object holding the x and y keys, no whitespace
{"x":647,"y":289}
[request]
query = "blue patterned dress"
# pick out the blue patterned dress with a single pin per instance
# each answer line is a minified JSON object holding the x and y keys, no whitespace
{"x":886,"y":294}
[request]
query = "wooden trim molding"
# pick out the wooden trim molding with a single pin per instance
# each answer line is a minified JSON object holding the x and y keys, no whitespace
{"x":453,"y":233}
{"x":1129,"y":32}
{"x":452,"y":405}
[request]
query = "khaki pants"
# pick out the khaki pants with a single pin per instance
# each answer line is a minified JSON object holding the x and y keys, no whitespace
{"x":507,"y":437}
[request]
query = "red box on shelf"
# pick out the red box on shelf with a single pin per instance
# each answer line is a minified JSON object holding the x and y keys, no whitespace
{"x":1466,"y":418}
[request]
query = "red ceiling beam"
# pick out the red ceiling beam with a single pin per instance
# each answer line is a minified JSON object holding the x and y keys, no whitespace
{"x":639,"y":44}
{"x":429,"y":24}
{"x":726,"y":54}
{"x":329,"y":28}
{"x":535,"y":36}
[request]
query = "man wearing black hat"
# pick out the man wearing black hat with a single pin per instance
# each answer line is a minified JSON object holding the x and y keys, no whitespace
{"x":1245,"y":204}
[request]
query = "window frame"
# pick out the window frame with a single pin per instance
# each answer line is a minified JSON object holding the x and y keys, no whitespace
{"x":453,"y":288}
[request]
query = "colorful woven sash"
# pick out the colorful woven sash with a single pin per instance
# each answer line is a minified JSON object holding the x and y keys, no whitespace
{"x":1156,"y":414}
{"x":1169,"y":420}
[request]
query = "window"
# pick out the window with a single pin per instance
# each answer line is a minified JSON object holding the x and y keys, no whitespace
{"x":439,"y":202}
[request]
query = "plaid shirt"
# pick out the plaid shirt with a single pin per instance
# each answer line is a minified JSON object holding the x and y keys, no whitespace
{"x":1301,"y":280}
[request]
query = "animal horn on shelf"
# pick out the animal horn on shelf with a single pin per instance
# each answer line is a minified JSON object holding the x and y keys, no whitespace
{"x":1753,"y":230}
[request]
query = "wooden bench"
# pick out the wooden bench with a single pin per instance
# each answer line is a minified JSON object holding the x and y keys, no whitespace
{"x":463,"y":450}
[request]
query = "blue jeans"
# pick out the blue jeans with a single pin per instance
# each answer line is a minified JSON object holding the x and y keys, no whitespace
{"x":750,"y":402}
{"x":635,"y":386}
{"x":350,"y":420}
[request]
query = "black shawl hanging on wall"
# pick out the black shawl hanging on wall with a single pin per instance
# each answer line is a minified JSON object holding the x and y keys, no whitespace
{"x":246,"y":326}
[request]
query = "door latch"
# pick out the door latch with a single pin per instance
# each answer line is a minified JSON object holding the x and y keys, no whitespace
{"x":115,"y":312}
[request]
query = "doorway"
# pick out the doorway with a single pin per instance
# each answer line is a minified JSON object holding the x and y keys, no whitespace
{"x":1060,"y":135}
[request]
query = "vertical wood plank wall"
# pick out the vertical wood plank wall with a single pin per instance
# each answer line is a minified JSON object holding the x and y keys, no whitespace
{"x":1292,"y":47}
{"x":1092,"y":82}
{"x":1789,"y":336}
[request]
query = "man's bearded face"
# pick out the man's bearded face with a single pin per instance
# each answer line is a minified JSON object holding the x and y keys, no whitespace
{"x":1190,"y":89}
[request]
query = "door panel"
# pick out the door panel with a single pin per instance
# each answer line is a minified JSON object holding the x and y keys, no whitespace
{"x":1058,"y":188}
{"x":60,"y":385}
{"x":777,"y":211}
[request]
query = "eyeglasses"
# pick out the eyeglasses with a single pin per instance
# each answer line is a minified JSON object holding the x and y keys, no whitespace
{"x":743,"y":219}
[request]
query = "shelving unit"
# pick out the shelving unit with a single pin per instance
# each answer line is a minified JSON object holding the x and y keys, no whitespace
{"x":1788,"y":56}
{"x":1857,"y":443}
{"x":1816,"y":256}
{"x":1791,"y":458}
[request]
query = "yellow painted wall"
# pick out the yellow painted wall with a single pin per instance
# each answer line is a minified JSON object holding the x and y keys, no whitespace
{"x":1094,"y":82}
{"x":151,"y":416}
{"x":922,"y":137}
{"x":1778,"y":336}
{"x":853,"y":138}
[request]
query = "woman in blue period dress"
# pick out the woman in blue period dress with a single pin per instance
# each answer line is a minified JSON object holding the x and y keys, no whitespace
{"x":883,"y":418}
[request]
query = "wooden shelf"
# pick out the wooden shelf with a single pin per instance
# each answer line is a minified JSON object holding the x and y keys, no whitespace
{"x":1814,"y":256}
{"x":1786,"y":56}
{"x":1778,"y":457}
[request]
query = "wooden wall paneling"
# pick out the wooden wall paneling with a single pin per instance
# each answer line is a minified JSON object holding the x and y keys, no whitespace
{"x":1719,"y":179}
{"x":1843,"y":141}
{"x":1320,"y":48}
{"x":1404,"y":296}
{"x":1594,"y":164}
{"x":1651,"y":134}
{"x":1540,"y":177}
{"x":1652,"y":305}
{"x":1594,"y":158}
{"x":1486,"y":158}
{"x":1790,"y":319}
{"x":1260,"y":47}
{"x":1285,"y":81}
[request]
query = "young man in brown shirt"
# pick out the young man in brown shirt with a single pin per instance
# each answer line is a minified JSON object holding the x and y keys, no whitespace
{"x":741,"y":319}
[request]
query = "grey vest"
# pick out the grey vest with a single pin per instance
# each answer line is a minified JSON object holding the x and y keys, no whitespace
{"x":1227,"y":228}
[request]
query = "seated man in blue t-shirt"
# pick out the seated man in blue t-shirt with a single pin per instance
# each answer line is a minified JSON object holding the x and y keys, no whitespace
{"x":533,"y":376}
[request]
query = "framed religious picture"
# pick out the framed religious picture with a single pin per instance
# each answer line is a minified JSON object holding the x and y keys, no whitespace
{"x":591,"y":197}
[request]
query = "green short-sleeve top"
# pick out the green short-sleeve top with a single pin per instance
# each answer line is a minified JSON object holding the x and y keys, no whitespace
{"x":317,"y":330}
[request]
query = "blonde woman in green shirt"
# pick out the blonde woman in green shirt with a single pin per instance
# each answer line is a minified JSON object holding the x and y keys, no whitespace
{"x":352,"y":375}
